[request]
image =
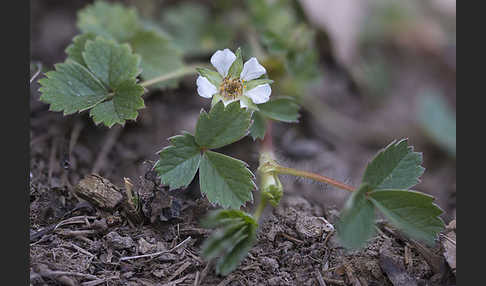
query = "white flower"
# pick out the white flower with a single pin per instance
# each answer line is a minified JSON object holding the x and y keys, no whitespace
{"x":239,"y":84}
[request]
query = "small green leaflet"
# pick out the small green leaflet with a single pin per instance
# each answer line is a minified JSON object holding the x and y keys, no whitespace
{"x":71,"y":88}
{"x":235,"y":236}
{"x":213,"y":76}
{"x":179,"y":162}
{"x":110,"y":20}
{"x":124,"y":105}
{"x":438,"y":121}
{"x":280,"y":109}
{"x":357,"y":219}
{"x":75,"y":50}
{"x":396,"y":167}
{"x":237,"y":66}
{"x":258,"y":127}
{"x":412,"y":212}
{"x":110,"y":62}
{"x":107,"y":82}
{"x":225,"y":181}
{"x":249,"y":85}
{"x":222,"y":125}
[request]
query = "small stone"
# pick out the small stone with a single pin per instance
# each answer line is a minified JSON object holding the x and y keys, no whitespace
{"x":269,"y":264}
{"x":312,"y":226}
{"x":119,"y":242}
{"x":145,"y":247}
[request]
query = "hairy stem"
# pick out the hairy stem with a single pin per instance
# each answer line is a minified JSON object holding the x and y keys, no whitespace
{"x":260,"y":208}
{"x":313,"y":176}
{"x":186,"y":70}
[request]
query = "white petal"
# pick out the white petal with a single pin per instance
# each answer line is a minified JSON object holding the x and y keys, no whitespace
{"x":205,"y":88}
{"x":252,"y":69}
{"x":222,"y":61}
{"x":259,"y":94}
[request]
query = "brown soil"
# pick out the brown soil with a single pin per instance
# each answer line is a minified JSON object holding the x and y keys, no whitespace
{"x":74,"y":242}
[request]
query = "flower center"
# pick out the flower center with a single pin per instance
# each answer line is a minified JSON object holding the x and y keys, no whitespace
{"x":231,"y":88}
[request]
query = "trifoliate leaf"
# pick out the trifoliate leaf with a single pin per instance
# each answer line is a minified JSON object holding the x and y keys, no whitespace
{"x":235,"y":236}
{"x":76,"y":49}
{"x":127,"y":99}
{"x":112,"y":63}
{"x":179,"y":162}
{"x":110,"y":75}
{"x":237,"y":66}
{"x":159,"y":55}
{"x":357,"y":219}
{"x":249,"y":85}
{"x":71,"y":88}
{"x":258,"y":127}
{"x":438,"y":121}
{"x":396,"y":167}
{"x":225,"y":181}
{"x":222,"y":125}
{"x":281,"y":109}
{"x":110,"y":20}
{"x":412,"y":212}
{"x":213,"y":76}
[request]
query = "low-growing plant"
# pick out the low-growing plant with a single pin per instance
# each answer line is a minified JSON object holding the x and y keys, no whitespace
{"x":102,"y":74}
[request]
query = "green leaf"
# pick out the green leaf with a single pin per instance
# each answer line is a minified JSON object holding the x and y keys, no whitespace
{"x":112,"y":21}
{"x":357,"y":219}
{"x":71,"y":88}
{"x":127,"y":99}
{"x":258,"y":127}
{"x":76,"y":49}
{"x":438,"y":121}
{"x":159,"y":55}
{"x":222,"y":125}
{"x":396,"y":167}
{"x":112,"y":63}
{"x":281,"y":109}
{"x":249,"y":85}
{"x":213,"y":76}
{"x":225,"y":181}
{"x":234,"y":238}
{"x":237,"y":66}
{"x":107,"y":85}
{"x":195,"y":29}
{"x":179,"y":162}
{"x":412,"y":212}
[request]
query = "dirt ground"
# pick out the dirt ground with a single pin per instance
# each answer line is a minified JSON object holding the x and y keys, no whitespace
{"x":74,"y":242}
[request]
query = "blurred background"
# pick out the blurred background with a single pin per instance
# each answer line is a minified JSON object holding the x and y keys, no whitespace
{"x":365,"y":72}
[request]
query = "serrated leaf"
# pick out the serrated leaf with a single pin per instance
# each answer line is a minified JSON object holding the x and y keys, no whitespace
{"x":258,"y":127}
{"x":213,"y":76}
{"x":234,"y":238}
{"x":249,"y":85}
{"x":179,"y":162}
{"x":159,"y":55}
{"x":127,"y":99}
{"x":112,"y":63}
{"x":281,"y":109}
{"x":222,"y":125}
{"x":110,"y":20}
{"x":438,"y":121}
{"x":237,"y":66}
{"x":412,"y":212}
{"x":76,"y":48}
{"x":357,"y":219}
{"x":71,"y":88}
{"x":396,"y":167}
{"x":225,"y":181}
